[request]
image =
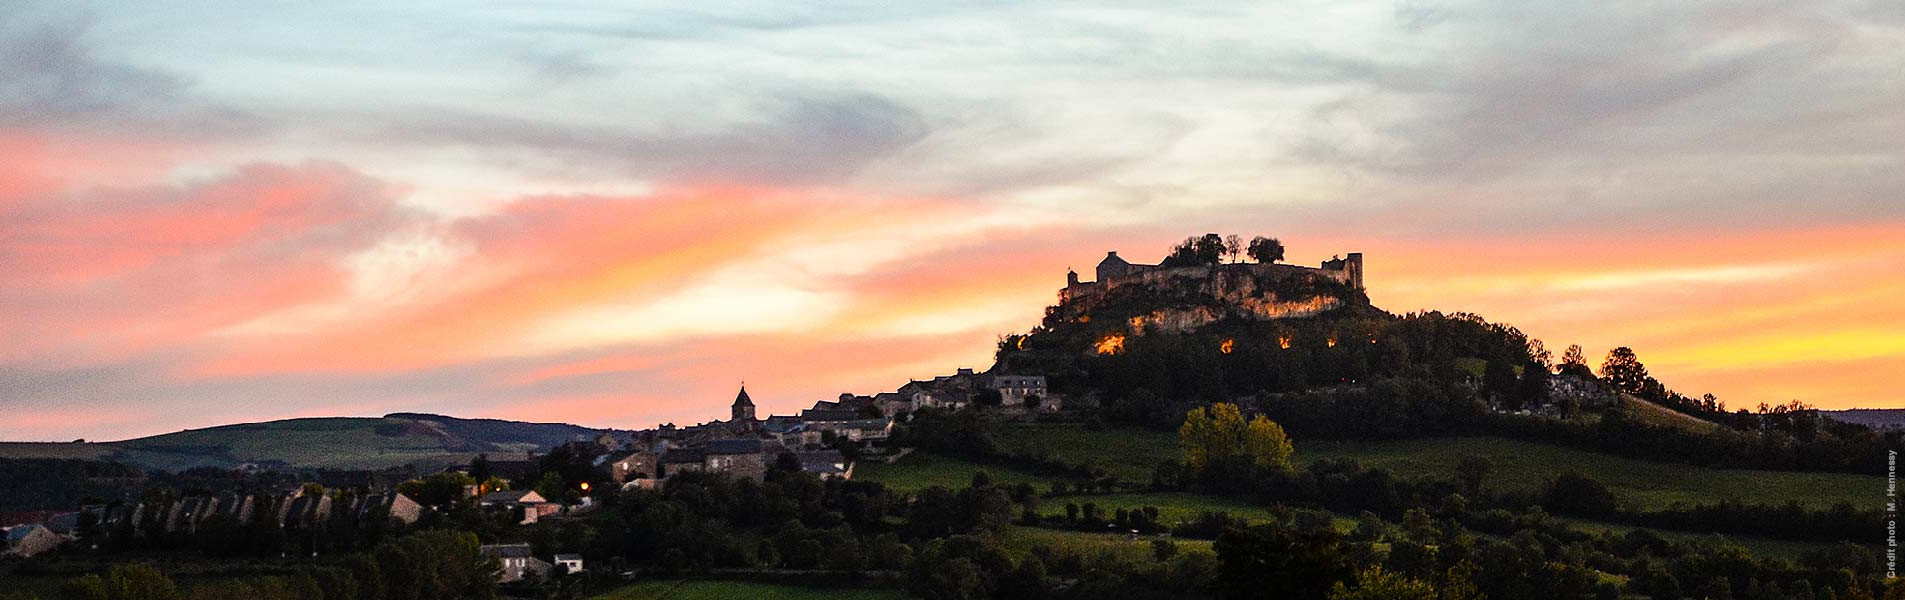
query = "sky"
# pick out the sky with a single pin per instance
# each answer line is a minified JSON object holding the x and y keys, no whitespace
{"x":219,"y":212}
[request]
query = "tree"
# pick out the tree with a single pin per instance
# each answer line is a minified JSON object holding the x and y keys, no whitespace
{"x":1196,"y":251}
{"x":1233,"y":246}
{"x":1538,"y":352}
{"x":1218,"y":435}
{"x":480,"y":468}
{"x":123,"y":582}
{"x":1533,"y":388}
{"x":438,"y":489}
{"x":1623,"y":370}
{"x":1472,"y":471}
{"x":434,"y":564}
{"x":1374,"y":584}
{"x":1278,"y":561}
{"x":1499,"y":380}
{"x":1574,"y":493}
{"x":1265,"y":250}
{"x":552,"y":487}
{"x":1718,"y":588}
{"x":1574,"y":362}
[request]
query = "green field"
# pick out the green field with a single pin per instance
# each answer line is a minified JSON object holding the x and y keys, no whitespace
{"x":1525,"y":466}
{"x":724,"y":590}
{"x":1518,"y":465}
{"x":920,"y":470}
{"x":1128,"y":454}
{"x":1131,"y":547}
{"x":1757,"y":546}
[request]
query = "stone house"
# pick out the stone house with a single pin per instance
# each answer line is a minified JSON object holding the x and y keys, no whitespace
{"x":569,"y":563}
{"x":305,"y":510}
{"x":393,"y":506}
{"x":859,"y":430}
{"x":516,"y":562}
{"x":828,"y":464}
{"x":640,"y":464}
{"x":1015,"y":389}
{"x":1589,"y":394}
{"x":681,"y":460}
{"x":740,"y":457}
{"x":532,"y":504}
{"x":29,"y":539}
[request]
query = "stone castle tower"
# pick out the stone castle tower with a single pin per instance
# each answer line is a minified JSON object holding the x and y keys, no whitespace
{"x":743,"y":409}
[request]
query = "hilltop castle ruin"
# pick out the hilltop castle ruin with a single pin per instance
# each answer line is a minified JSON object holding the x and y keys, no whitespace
{"x":1115,"y":271}
{"x":1251,"y":290}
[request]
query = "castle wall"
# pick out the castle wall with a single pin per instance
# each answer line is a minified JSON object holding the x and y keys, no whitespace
{"x":1238,"y":282}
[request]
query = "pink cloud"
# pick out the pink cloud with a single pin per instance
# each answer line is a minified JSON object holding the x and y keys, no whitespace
{"x":100,"y":275}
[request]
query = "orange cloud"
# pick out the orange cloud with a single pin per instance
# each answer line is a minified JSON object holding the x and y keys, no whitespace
{"x":542,"y":258}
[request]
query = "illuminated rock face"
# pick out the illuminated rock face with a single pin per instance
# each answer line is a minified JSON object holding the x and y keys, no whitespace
{"x":1244,"y":289}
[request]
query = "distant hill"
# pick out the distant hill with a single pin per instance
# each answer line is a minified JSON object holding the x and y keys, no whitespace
{"x":1876,"y":418}
{"x":330,"y":443}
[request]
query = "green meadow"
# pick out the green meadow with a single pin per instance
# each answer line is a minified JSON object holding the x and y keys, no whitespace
{"x":1518,"y":466}
{"x":697,"y":589}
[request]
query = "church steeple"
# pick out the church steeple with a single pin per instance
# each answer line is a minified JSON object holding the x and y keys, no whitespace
{"x":743,"y":409}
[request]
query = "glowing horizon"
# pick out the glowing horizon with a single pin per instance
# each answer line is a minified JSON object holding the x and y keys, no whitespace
{"x":612,"y":217}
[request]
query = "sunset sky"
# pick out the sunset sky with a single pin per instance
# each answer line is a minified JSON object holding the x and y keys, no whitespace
{"x":225,"y":212}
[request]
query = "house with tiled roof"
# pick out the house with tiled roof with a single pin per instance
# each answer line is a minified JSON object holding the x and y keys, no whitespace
{"x":828,"y":464}
{"x":516,"y":562}
{"x":28,"y":540}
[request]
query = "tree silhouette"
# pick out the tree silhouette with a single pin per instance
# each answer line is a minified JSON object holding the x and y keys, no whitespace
{"x":1623,"y":370}
{"x":1196,"y":251}
{"x":1574,"y":362}
{"x":1266,"y":250}
{"x":1539,"y":353}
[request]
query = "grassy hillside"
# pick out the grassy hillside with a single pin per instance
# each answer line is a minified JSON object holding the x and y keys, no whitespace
{"x":316,"y":443}
{"x":1655,"y":414}
{"x":1525,"y":466}
{"x":722,"y":590}
{"x":81,"y":450}
{"x":335,"y":442}
{"x":1519,"y":465}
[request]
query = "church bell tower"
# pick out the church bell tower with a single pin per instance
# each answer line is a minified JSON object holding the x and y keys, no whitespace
{"x":743,"y":409}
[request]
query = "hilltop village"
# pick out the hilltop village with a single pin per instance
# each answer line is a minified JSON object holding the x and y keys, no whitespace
{"x":825,"y":439}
